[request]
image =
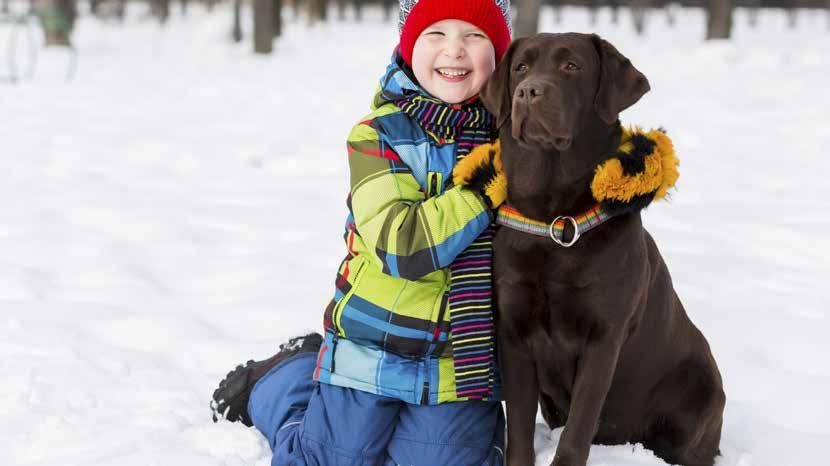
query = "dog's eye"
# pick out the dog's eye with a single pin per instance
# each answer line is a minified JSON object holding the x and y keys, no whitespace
{"x":521,"y":67}
{"x":571,"y":66}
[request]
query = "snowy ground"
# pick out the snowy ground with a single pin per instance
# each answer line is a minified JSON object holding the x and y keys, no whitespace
{"x":177,"y":209}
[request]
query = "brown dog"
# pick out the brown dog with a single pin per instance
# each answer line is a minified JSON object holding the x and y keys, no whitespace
{"x":594,"y":332}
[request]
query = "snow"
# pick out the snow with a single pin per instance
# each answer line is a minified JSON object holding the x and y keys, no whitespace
{"x":177,"y":208}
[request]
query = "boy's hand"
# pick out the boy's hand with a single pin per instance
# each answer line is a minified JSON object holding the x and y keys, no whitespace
{"x":481,"y":170}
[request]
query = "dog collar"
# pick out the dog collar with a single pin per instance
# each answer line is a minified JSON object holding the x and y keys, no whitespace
{"x":642,"y":170}
{"x":511,"y":218}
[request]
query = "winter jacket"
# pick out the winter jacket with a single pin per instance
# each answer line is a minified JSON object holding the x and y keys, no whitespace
{"x":387,"y":327}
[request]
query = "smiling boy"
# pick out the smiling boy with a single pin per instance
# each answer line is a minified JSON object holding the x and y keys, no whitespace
{"x":405,"y":372}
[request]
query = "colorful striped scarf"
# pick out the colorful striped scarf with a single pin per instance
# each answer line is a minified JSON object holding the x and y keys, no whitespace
{"x":472,"y":331}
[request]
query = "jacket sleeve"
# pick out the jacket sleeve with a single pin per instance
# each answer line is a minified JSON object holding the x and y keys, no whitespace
{"x":410,"y":234}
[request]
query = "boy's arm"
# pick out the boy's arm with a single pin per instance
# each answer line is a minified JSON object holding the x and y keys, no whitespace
{"x":409,"y":234}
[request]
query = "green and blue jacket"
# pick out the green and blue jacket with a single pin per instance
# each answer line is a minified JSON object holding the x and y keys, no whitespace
{"x":387,"y":327}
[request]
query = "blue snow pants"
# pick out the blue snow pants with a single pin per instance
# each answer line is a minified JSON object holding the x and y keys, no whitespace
{"x":311,"y":424}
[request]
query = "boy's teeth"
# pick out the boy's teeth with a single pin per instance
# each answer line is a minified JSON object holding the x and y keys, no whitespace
{"x":453,"y":72}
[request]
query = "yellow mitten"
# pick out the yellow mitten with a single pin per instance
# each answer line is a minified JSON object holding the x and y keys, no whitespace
{"x":481,"y":170}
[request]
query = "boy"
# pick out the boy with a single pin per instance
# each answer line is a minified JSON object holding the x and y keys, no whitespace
{"x":406,"y":372}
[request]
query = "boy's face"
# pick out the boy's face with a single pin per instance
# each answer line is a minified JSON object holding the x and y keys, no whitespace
{"x":452,"y":59}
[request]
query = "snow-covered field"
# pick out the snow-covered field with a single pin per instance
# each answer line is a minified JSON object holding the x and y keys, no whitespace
{"x":178,"y":208}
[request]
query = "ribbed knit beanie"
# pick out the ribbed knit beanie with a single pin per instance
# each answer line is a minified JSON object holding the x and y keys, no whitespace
{"x":491,"y":16}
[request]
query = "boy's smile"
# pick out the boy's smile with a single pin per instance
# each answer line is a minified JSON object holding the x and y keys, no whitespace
{"x":452,"y":59}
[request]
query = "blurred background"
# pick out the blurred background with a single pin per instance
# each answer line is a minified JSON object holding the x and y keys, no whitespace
{"x":173,"y":178}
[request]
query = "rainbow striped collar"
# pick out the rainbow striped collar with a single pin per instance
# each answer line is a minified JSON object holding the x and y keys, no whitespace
{"x":511,"y":218}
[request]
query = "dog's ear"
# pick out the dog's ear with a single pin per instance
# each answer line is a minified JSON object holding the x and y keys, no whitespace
{"x":620,"y":84}
{"x":495,"y":95}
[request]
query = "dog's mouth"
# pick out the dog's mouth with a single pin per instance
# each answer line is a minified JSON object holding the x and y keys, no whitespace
{"x":535,"y":132}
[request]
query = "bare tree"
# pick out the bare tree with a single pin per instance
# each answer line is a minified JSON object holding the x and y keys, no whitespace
{"x":5,"y":7}
{"x":277,"y":18}
{"x":236,"y":33}
{"x":263,"y":26}
{"x":639,"y":13}
{"x":792,"y":17}
{"x":160,"y":9}
{"x":754,"y":8}
{"x":58,"y":19}
{"x":318,"y":10}
{"x":387,"y":9}
{"x":527,"y":17}
{"x":720,"y":19}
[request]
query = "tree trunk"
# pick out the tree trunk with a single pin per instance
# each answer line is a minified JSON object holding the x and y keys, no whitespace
{"x":387,"y":9}
{"x":57,"y":18}
{"x":160,"y":9}
{"x":184,"y":7}
{"x":527,"y":17}
{"x":263,"y":26}
{"x":754,"y":7}
{"x":671,"y":19}
{"x":720,"y":19}
{"x":122,"y":9}
{"x":277,"y":18}
{"x":341,"y":10}
{"x":5,"y":7}
{"x":236,"y":34}
{"x":295,"y":5}
{"x":318,"y":10}
{"x":639,"y":11}
{"x":593,"y":10}
{"x":792,"y":17}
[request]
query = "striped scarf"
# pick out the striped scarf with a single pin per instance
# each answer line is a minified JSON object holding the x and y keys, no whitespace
{"x":472,"y":331}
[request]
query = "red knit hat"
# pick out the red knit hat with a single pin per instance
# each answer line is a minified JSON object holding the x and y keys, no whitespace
{"x":491,"y":16}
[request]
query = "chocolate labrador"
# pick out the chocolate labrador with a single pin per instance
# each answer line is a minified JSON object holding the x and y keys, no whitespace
{"x":594,"y":332}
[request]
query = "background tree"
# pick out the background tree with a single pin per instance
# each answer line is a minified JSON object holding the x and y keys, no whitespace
{"x":58,"y":19}
{"x":236,"y":33}
{"x":318,"y":10}
{"x":277,"y":17}
{"x":527,"y":17}
{"x":160,"y":9}
{"x":720,"y":19}
{"x":263,"y":26}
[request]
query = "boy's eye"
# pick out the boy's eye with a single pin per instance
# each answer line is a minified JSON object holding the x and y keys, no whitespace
{"x":477,"y":34}
{"x":439,"y":33}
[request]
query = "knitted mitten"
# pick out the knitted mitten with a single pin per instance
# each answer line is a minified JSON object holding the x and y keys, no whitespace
{"x":481,"y":170}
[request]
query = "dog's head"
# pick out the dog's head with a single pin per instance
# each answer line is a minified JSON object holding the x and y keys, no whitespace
{"x":550,"y":86}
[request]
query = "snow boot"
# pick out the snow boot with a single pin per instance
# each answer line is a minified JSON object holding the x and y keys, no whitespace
{"x":230,"y":400}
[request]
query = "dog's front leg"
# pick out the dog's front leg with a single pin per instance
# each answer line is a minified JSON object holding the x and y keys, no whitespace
{"x":593,"y":379}
{"x":521,"y":392}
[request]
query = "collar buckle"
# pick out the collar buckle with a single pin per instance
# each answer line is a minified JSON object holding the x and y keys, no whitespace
{"x":560,"y":241}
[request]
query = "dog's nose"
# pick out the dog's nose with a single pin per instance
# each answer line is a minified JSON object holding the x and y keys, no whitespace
{"x":529,"y":91}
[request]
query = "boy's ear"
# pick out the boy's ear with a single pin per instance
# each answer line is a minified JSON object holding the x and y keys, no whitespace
{"x":496,"y":95}
{"x":620,"y":84}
